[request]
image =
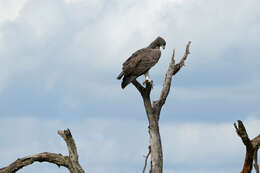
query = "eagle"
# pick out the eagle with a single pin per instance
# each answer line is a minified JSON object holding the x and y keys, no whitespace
{"x":141,"y":61}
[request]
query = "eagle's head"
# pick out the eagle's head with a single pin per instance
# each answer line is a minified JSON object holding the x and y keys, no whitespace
{"x":160,"y":42}
{"x":157,"y":43}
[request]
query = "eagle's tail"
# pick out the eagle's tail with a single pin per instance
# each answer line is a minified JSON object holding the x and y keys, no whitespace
{"x":120,"y":75}
{"x":127,"y":80}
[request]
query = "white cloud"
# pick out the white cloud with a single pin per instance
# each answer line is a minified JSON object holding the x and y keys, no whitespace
{"x":239,"y":93}
{"x":109,"y":36}
{"x":102,"y":35}
{"x":197,"y":143}
{"x":42,"y":18}
{"x":212,"y":147}
{"x":10,"y":9}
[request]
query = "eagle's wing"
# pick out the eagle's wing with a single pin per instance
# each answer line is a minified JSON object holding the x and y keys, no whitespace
{"x":148,"y":60}
{"x":130,"y":64}
{"x":139,"y":63}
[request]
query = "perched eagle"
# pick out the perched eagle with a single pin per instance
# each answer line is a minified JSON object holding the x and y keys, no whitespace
{"x":141,"y":61}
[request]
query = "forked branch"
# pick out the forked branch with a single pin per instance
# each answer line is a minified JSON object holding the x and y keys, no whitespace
{"x":172,"y":70}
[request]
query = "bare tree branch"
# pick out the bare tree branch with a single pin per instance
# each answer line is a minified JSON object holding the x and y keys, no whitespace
{"x":57,"y":159}
{"x":66,"y":135}
{"x":256,"y":162}
{"x":181,"y":63}
{"x":73,"y":154}
{"x":167,"y":81}
{"x":138,"y":86}
{"x":143,"y":90}
{"x":172,"y":70}
{"x":251,"y":148}
{"x":256,"y":141}
{"x":70,"y":162}
{"x":146,"y":158}
{"x":241,"y":132}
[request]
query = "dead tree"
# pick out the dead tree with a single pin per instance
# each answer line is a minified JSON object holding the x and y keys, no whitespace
{"x":153,"y":110}
{"x":70,"y":162}
{"x":252,"y":147}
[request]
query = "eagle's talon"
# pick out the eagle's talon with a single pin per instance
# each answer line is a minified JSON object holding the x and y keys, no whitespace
{"x":148,"y":81}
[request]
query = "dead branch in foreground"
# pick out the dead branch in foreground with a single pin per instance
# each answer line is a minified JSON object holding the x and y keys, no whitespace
{"x":252,"y":147}
{"x":70,"y":162}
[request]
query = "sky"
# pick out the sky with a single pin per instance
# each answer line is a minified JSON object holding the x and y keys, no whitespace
{"x":58,"y":66}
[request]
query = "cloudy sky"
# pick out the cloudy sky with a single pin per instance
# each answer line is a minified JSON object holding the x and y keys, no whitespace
{"x":58,"y":65}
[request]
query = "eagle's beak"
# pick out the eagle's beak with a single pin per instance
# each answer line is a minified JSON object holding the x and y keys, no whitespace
{"x":163,"y":46}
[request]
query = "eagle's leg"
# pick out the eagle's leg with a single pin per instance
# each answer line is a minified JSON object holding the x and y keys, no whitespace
{"x":147,"y":78}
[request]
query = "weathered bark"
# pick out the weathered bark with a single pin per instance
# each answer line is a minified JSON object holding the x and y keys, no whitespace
{"x":70,"y":162}
{"x":153,"y":110}
{"x":251,"y":148}
{"x":256,"y":162}
{"x":54,"y":158}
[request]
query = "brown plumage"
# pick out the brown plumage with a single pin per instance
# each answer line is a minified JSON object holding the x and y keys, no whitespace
{"x":141,"y":61}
